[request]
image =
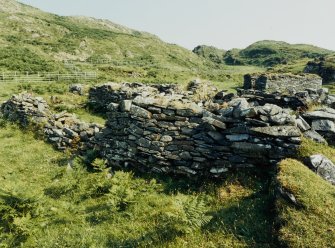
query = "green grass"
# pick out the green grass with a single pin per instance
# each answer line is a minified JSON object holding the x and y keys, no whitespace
{"x":45,"y":203}
{"x":309,"y":148}
{"x":313,"y":223}
{"x":331,"y":88}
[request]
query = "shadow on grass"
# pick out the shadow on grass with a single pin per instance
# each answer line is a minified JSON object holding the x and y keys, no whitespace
{"x":159,"y":237}
{"x":251,"y":219}
{"x":250,"y":177}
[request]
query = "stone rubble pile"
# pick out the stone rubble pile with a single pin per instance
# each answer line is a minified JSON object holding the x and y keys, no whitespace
{"x":25,"y":109}
{"x":63,"y":130}
{"x":101,"y":96}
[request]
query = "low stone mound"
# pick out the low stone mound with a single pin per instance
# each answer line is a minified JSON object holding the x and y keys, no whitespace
{"x":25,"y":108}
{"x":63,"y":130}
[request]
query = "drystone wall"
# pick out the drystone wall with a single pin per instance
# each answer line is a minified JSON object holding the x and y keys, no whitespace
{"x":171,"y":133}
{"x":288,"y":83}
{"x":63,"y":130}
{"x":196,"y":132}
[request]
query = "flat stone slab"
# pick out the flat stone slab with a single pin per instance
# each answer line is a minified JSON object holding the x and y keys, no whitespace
{"x":277,"y":131}
{"x":320,"y":115}
{"x":323,"y":125}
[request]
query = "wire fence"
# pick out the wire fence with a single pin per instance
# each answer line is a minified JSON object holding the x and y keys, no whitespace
{"x":46,"y":77}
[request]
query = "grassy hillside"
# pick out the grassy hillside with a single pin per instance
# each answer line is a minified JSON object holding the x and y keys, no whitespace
{"x":34,"y":41}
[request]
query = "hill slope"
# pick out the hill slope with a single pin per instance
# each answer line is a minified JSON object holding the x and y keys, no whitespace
{"x":35,"y":41}
{"x":56,"y":38}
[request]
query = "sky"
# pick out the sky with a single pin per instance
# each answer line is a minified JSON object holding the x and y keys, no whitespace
{"x":225,"y":24}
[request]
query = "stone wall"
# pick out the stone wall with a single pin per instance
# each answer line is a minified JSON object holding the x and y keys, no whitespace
{"x":193,"y":132}
{"x":170,"y":133}
{"x":101,"y":96}
{"x":288,"y":83}
{"x":322,"y":121}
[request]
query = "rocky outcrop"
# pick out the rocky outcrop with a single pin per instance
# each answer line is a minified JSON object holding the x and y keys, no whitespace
{"x":63,"y":130}
{"x":285,"y":83}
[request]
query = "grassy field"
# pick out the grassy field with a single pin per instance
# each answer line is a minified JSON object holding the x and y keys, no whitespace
{"x":45,"y":202}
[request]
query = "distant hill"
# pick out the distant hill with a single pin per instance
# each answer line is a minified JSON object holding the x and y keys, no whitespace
{"x":214,"y":54}
{"x":269,"y":53}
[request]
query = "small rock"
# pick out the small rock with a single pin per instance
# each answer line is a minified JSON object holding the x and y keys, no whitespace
{"x":166,"y":138}
{"x":311,"y":134}
{"x":323,"y":167}
{"x":125,"y":105}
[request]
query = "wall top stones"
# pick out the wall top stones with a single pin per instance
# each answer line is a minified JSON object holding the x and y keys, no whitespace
{"x":196,"y":91}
